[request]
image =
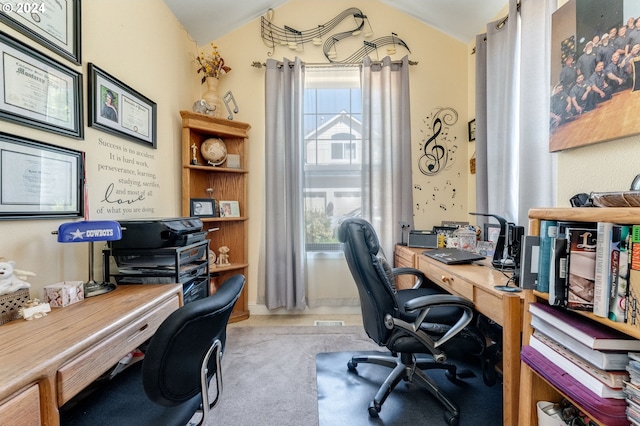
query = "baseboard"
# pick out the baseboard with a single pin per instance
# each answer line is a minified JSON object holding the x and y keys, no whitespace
{"x":323,"y":310}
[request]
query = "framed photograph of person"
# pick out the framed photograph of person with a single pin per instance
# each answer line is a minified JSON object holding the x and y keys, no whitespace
{"x":229,"y":209}
{"x":38,"y":92}
{"x":38,"y":180}
{"x":203,"y":207}
{"x":54,"y":24}
{"x":116,"y":108}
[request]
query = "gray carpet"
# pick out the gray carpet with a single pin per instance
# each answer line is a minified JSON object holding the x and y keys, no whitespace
{"x":270,"y":373}
{"x":270,"y":380}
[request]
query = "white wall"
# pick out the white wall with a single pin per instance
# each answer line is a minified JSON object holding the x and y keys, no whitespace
{"x":143,"y":45}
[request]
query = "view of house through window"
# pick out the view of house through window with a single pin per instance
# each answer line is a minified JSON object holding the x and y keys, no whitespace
{"x":332,"y":152}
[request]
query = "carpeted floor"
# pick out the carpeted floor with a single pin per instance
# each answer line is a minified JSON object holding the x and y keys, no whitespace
{"x":270,"y":380}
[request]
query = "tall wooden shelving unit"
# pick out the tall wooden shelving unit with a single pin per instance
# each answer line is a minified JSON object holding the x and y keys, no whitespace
{"x":228,"y":184}
{"x":533,"y":387}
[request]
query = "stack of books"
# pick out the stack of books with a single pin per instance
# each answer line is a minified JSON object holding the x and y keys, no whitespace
{"x":632,"y":389}
{"x":586,"y":360}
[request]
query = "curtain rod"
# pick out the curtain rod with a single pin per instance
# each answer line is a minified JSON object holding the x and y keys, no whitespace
{"x":499,"y":25}
{"x":258,"y":64}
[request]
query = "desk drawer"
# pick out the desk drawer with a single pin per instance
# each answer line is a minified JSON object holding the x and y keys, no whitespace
{"x":84,"y":369}
{"x":23,"y":408}
{"x":449,"y":282}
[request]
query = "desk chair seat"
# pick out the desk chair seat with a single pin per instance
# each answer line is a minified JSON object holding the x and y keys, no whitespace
{"x":419,"y":326}
{"x":172,"y":382}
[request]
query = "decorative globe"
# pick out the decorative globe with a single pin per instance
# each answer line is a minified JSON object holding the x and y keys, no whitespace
{"x":214,"y":151}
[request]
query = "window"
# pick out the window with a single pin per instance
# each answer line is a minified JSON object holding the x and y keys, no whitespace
{"x":332,"y":141}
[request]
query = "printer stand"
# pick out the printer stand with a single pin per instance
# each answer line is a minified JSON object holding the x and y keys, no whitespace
{"x":187,"y":265}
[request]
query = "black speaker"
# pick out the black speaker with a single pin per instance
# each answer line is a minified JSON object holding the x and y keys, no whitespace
{"x":423,"y":239}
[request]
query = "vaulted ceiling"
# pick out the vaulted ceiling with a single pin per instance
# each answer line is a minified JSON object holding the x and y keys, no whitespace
{"x":206,"y":20}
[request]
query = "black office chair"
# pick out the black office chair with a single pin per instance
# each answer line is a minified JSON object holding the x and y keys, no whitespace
{"x":172,"y":382}
{"x":417,"y":325}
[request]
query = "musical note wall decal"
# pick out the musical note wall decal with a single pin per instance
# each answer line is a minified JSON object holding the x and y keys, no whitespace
{"x":436,"y":155}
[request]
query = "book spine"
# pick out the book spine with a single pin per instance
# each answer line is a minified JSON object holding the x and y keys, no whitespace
{"x":581,"y":262}
{"x":602,"y":282}
{"x":633,"y":298}
{"x":619,"y":273}
{"x":548,"y":231}
{"x":558,"y":272}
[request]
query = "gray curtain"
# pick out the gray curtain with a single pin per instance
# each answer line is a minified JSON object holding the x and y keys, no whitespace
{"x":386,"y":159}
{"x":515,"y":170}
{"x":285,"y":260}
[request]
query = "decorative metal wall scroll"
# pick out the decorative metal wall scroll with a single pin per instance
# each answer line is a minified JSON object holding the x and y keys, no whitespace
{"x":294,"y":39}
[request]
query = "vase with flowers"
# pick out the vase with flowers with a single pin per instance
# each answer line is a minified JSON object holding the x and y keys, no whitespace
{"x":212,"y":68}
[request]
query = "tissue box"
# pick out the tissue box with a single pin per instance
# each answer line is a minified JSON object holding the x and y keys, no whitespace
{"x":64,"y":294}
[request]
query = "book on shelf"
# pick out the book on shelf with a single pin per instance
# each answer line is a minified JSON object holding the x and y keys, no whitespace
{"x":558,"y":272}
{"x":603,"y":264}
{"x":619,"y":272}
{"x":581,"y":267}
{"x":590,"y":333}
{"x":605,"y":360}
{"x":633,"y":295}
{"x":606,"y":384}
{"x":548,"y":231}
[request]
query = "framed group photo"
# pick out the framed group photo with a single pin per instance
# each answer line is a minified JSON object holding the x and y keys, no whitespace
{"x":39,"y":180}
{"x":116,"y":108}
{"x":54,"y":24}
{"x":37,"y":91}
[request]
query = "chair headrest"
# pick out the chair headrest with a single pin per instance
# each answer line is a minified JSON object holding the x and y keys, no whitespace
{"x":369,"y":234}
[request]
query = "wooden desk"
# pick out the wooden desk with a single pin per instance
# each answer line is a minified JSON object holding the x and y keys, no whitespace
{"x":475,"y":282}
{"x":47,"y":361}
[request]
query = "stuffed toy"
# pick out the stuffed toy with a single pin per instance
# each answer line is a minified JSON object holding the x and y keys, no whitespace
{"x":10,"y":278}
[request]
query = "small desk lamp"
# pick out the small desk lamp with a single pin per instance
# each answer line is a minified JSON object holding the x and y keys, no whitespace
{"x":90,"y":231}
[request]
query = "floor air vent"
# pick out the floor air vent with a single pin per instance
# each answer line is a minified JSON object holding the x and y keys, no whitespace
{"x":324,"y":323}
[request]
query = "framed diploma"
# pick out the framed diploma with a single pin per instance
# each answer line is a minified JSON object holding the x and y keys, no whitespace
{"x":39,"y":180}
{"x":54,"y":24}
{"x":39,"y":92}
{"x":116,"y":108}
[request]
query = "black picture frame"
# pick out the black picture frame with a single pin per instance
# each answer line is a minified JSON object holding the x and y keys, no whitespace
{"x":131,"y":114}
{"x":472,"y":130}
{"x":38,"y":91}
{"x":56,"y":28}
{"x":202,"y":207}
{"x":39,"y":180}
{"x":491,"y":230}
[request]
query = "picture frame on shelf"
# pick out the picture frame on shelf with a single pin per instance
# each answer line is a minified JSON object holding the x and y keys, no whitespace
{"x":56,"y":28}
{"x":229,"y":209}
{"x":116,"y":108}
{"x":233,"y":161}
{"x":39,"y":180}
{"x":472,"y":130}
{"x":38,"y":91}
{"x":203,"y":207}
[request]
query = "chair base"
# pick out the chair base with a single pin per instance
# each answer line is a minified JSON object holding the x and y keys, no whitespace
{"x":409,"y":367}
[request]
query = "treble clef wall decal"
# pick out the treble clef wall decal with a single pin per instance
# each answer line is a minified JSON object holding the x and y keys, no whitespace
{"x":435,"y":153}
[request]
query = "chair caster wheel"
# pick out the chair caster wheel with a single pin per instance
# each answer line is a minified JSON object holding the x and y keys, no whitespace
{"x":352,"y":365}
{"x":373,"y":410}
{"x":451,"y":419}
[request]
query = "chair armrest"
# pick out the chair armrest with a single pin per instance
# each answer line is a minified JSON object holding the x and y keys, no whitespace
{"x":421,"y":277}
{"x":437,"y":300}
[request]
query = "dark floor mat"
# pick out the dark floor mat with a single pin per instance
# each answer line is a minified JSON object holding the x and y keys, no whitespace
{"x":344,"y":397}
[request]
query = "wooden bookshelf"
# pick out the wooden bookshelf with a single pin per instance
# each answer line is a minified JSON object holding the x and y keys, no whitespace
{"x":533,"y":387}
{"x":228,"y":184}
